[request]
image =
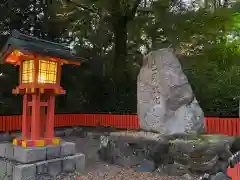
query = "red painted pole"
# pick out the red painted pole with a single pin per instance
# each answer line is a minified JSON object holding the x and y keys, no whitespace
{"x":50,"y":117}
{"x":35,"y":124}
{"x":43,"y":120}
{"x":25,"y":127}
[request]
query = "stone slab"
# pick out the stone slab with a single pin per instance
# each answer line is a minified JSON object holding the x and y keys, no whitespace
{"x":68,"y":149}
{"x":24,"y":172}
{"x":29,"y":155}
{"x":53,"y":151}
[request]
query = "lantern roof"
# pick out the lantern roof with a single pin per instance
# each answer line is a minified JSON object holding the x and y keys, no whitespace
{"x":34,"y":45}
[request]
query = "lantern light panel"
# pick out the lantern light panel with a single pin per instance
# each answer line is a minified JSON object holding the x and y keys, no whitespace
{"x":47,"y":72}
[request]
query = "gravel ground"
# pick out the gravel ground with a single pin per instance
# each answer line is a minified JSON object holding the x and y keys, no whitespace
{"x":111,"y":172}
{"x":101,"y":171}
{"x":97,"y":170}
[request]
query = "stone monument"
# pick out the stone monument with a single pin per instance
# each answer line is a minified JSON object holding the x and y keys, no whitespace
{"x":166,"y":103}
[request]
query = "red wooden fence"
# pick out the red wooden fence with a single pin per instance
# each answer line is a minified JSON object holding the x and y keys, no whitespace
{"x":226,"y":126}
{"x":213,"y":125}
{"x":13,"y":123}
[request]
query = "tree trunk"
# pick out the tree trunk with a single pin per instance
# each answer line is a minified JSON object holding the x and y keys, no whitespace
{"x":120,"y":48}
{"x":226,"y":3}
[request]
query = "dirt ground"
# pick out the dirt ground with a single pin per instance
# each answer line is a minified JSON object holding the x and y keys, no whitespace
{"x":97,"y":170}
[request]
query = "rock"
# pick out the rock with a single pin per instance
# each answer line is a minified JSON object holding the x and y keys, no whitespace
{"x":59,"y":132}
{"x":175,"y":169}
{"x":68,"y":131}
{"x":145,"y":166}
{"x":220,"y":176}
{"x":79,"y":132}
{"x":200,"y":152}
{"x":205,"y":177}
{"x":159,"y":153}
{"x":236,"y":145}
{"x":176,"y":154}
{"x":234,"y":159}
{"x":187,"y":177}
{"x":203,"y":166}
{"x":166,"y":103}
{"x":225,"y":155}
{"x":119,"y":152}
{"x":221,"y":166}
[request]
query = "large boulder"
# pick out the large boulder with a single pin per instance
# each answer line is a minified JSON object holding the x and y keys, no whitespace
{"x":166,"y":103}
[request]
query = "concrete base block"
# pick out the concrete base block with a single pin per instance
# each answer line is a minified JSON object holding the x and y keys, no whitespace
{"x":80,"y":160}
{"x":6,"y":169}
{"x":29,"y":155}
{"x":42,"y":167}
{"x":68,"y":149}
{"x":53,"y":151}
{"x":3,"y":147}
{"x":9,"y":168}
{"x":54,"y":166}
{"x":32,"y":163}
{"x":74,"y":163}
{"x":6,"y":150}
{"x":10,"y":152}
{"x":25,"y":171}
{"x":69,"y":164}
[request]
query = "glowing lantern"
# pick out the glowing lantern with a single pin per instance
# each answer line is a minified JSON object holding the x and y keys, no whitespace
{"x":40,"y":64}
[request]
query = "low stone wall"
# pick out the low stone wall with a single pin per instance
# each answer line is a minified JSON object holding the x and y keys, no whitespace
{"x":175,"y":155}
{"x":43,"y":163}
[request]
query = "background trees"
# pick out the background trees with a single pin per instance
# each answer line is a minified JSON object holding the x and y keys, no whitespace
{"x":114,"y":35}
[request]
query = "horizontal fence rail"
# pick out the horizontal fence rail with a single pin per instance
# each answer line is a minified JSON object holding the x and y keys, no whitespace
{"x":13,"y":123}
{"x":213,"y":125}
{"x":226,"y":126}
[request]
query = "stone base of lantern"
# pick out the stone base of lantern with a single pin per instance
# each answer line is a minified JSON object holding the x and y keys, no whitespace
{"x":17,"y":163}
{"x":36,"y":143}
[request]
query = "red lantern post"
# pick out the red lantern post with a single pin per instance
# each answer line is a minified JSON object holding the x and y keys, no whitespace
{"x":40,"y":63}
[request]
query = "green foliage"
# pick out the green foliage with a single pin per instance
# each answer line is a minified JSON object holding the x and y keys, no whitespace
{"x":204,"y":35}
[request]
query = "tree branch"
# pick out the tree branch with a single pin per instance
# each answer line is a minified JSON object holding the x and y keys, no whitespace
{"x":133,"y":11}
{"x":82,"y":7}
